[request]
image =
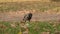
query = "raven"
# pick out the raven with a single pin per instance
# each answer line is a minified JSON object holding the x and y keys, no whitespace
{"x":27,"y":17}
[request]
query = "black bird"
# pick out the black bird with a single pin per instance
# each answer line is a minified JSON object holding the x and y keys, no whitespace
{"x":27,"y":17}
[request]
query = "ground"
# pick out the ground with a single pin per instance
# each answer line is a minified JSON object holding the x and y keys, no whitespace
{"x":37,"y":16}
{"x":45,"y":20}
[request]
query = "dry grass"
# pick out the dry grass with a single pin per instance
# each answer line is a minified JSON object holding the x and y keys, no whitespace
{"x":34,"y":5}
{"x":23,"y":0}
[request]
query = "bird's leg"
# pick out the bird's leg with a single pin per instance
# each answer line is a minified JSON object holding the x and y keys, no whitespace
{"x":29,"y":20}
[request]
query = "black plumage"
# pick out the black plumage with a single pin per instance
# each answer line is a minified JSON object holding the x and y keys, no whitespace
{"x":27,"y":17}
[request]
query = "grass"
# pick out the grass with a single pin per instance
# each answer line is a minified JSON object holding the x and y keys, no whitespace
{"x":7,"y":29}
{"x":35,"y":5}
{"x":34,"y":27}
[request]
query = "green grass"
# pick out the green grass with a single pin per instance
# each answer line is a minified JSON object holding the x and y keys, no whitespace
{"x":39,"y":6}
{"x":8,"y":29}
{"x":34,"y":27}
